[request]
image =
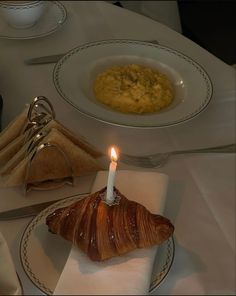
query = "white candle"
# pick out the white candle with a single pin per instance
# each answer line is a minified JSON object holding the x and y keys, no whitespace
{"x":111,"y":177}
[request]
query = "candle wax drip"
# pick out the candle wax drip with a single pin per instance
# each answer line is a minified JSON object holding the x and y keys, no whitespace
{"x":115,"y":201}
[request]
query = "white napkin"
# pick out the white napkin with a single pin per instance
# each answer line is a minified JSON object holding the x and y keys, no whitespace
{"x":128,"y":274}
{"x":9,"y":283}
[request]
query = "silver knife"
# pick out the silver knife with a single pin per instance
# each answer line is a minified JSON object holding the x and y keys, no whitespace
{"x":45,"y":59}
{"x":56,"y":57}
{"x":32,"y":210}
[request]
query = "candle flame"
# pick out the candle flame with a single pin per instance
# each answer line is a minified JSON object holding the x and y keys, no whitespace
{"x":114,"y":156}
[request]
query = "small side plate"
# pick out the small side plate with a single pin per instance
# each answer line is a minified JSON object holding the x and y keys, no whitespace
{"x":52,"y":252}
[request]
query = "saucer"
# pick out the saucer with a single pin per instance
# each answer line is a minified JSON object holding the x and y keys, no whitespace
{"x":53,"y":18}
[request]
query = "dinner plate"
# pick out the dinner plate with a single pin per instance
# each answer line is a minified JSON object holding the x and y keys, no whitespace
{"x":43,"y":255}
{"x":75,"y":73}
{"x":52,"y":20}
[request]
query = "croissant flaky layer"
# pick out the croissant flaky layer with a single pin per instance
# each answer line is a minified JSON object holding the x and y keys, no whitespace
{"x":104,"y":231}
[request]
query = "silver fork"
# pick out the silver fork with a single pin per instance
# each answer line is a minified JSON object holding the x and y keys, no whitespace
{"x":159,"y":159}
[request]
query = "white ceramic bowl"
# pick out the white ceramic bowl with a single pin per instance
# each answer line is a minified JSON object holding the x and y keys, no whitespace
{"x":22,"y":14}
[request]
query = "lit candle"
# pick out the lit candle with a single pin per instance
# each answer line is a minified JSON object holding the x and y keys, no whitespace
{"x":111,"y":177}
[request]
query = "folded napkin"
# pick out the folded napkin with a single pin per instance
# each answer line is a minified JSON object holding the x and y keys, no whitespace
{"x":61,"y":160}
{"x":9,"y":283}
{"x":128,"y":274}
{"x":44,"y":153}
{"x":13,"y":129}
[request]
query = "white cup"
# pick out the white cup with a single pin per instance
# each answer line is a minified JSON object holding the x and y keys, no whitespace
{"x":22,"y":14}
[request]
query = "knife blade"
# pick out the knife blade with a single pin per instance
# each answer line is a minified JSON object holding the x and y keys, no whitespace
{"x":31,"y":210}
{"x":44,"y":59}
{"x":56,"y":57}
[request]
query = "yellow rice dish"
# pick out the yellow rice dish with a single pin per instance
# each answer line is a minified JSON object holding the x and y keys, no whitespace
{"x":133,"y":89}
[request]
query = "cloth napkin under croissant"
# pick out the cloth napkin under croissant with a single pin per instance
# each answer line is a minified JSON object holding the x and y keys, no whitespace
{"x":128,"y":274}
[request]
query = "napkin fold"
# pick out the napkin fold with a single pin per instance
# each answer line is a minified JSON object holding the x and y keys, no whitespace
{"x":9,"y":283}
{"x":44,"y":154}
{"x":61,"y":160}
{"x":13,"y":129}
{"x":129,"y":274}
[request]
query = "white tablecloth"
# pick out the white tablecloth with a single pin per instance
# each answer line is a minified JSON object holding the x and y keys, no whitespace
{"x":201,"y":195}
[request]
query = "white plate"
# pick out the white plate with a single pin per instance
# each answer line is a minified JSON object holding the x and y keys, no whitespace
{"x":74,"y":75}
{"x":52,"y":19}
{"x":43,"y":254}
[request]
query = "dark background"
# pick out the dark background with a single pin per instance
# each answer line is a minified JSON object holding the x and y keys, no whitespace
{"x":211,"y":24}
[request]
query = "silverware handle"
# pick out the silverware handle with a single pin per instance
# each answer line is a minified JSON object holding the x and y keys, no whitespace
{"x":231,"y":148}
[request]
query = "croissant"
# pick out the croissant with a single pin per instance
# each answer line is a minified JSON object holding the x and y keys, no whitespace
{"x":104,"y":231}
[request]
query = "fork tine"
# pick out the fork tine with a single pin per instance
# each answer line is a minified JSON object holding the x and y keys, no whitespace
{"x":138,"y":164}
{"x":135,"y":158}
{"x":137,"y":161}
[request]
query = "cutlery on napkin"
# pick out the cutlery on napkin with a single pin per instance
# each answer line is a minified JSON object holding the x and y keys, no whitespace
{"x":128,"y":274}
{"x":9,"y":282}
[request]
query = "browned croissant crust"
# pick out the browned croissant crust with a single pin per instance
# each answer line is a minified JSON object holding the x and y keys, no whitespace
{"x":104,"y":231}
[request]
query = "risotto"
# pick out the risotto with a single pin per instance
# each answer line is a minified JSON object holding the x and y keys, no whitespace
{"x":133,"y":89}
